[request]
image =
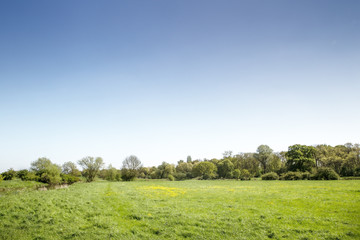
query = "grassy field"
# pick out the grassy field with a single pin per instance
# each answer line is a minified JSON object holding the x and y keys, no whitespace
{"x":187,"y":209}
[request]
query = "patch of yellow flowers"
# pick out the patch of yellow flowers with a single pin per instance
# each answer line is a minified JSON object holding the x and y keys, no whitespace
{"x":162,"y":191}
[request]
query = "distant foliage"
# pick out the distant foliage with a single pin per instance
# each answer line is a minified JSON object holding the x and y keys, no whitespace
{"x":46,"y":171}
{"x":171,"y":177}
{"x":1,"y":178}
{"x":70,"y":168}
{"x":26,"y":175}
{"x":69,"y":179}
{"x":130,"y":168}
{"x":9,"y":174}
{"x":91,"y":166}
{"x":236,"y":174}
{"x":245,"y":174}
{"x":300,"y":158}
{"x":325,"y":174}
{"x":270,"y":176}
{"x":204,"y":170}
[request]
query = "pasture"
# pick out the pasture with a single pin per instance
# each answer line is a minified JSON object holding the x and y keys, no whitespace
{"x":186,"y":209}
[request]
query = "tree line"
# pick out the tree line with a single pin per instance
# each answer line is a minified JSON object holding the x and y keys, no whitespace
{"x":299,"y":162}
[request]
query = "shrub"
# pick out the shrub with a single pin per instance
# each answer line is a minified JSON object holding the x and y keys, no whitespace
{"x":291,"y":176}
{"x":1,"y":178}
{"x":270,"y":176}
{"x":171,"y":177}
{"x":325,"y":174}
{"x":128,"y":174}
{"x":118,"y":176}
{"x":236,"y":174}
{"x":22,"y":174}
{"x":9,"y":174}
{"x":26,"y":175}
{"x":180,"y":176}
{"x":69,"y":179}
{"x":245,"y":174}
{"x":305,"y":175}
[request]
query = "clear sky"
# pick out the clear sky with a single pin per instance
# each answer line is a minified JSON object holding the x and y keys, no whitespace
{"x":165,"y":79}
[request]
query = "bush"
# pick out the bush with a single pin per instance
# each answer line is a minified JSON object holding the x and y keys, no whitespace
{"x":9,"y":174}
{"x":69,"y":179}
{"x":245,"y":174}
{"x":128,"y":174}
{"x":22,"y":174}
{"x":1,"y":178}
{"x":236,"y":174}
{"x":292,"y":176}
{"x":306,"y":175}
{"x":171,"y":177}
{"x":180,"y":176}
{"x":325,"y":174}
{"x":26,"y":175}
{"x":270,"y":176}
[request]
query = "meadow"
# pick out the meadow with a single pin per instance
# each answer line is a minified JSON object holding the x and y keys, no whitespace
{"x":191,"y":209}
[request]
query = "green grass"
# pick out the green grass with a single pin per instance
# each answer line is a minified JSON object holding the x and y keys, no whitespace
{"x":17,"y":185}
{"x":187,"y":209}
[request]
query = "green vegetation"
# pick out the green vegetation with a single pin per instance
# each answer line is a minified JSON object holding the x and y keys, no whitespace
{"x":18,"y":185}
{"x":185,"y":209}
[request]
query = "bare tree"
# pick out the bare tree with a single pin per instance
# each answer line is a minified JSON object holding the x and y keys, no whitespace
{"x":130,"y":168}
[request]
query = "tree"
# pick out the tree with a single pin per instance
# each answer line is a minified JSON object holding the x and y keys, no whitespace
{"x":188,"y":159}
{"x":183,"y":171}
{"x":46,"y":171}
{"x":71,"y":169}
{"x":263,"y":155}
{"x":227,"y":154}
{"x":165,"y":169}
{"x":111,"y":173}
{"x":130,"y":168}
{"x":91,"y":167}
{"x":204,"y":170}
{"x":237,"y":174}
{"x":225,"y":168}
{"x":300,"y":158}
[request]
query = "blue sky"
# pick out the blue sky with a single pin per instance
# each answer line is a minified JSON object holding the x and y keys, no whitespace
{"x":165,"y":79}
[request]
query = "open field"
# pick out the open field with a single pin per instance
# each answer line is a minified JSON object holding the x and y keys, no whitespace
{"x":187,"y":209}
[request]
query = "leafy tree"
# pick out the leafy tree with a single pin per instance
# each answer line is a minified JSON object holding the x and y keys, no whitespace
{"x":165,"y":169}
{"x":171,"y":177}
{"x":247,"y":161}
{"x":111,"y":173}
{"x":91,"y":167}
{"x":46,"y":171}
{"x":40,"y":165}
{"x":130,"y":168}
{"x":204,"y":170}
{"x":183,"y":171}
{"x":236,"y":174}
{"x":70,"y":168}
{"x":188,"y":159}
{"x":225,"y":168}
{"x":264,"y":154}
{"x":300,"y":158}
